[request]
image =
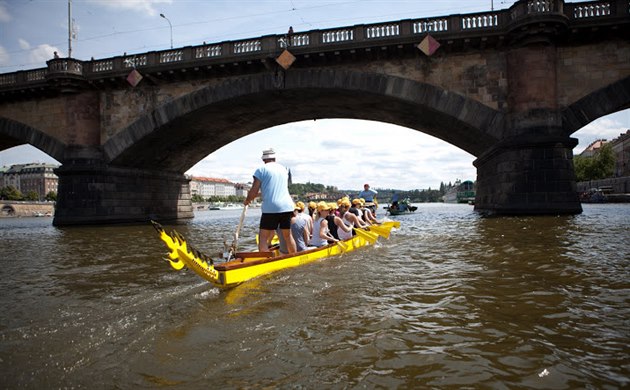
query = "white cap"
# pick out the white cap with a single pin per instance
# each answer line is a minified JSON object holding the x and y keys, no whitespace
{"x":268,"y":154}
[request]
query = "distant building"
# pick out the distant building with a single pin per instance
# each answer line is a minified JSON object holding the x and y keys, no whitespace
{"x":36,"y":177}
{"x":242,"y":189}
{"x":593,"y":148}
{"x":210,"y":186}
{"x":319,"y":196}
{"x":314,"y":196}
{"x":11,"y":176}
{"x":621,"y":149}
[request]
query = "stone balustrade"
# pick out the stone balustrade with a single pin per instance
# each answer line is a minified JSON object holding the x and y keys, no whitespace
{"x":592,"y":10}
{"x":430,"y":26}
{"x":386,"y":30}
{"x":448,"y":27}
{"x":336,"y":36}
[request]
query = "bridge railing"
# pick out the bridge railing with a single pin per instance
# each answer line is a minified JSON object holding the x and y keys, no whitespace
{"x":311,"y":41}
{"x":595,"y":9}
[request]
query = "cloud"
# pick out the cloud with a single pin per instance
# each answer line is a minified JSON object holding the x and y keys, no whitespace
{"x":608,"y":128}
{"x":24,"y":154}
{"x":4,"y":56}
{"x":145,"y":7}
{"x":24,"y":45}
{"x":345,"y":153}
{"x":43,"y":53}
{"x":5,"y":16}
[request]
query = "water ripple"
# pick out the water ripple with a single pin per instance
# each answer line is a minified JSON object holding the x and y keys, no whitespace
{"x":452,"y":300}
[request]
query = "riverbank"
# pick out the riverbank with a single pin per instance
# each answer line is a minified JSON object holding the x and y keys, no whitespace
{"x":613,"y":185}
{"x":618,"y":198}
{"x":18,"y":209}
{"x":611,"y":190}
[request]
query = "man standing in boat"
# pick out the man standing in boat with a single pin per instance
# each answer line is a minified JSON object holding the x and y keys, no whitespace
{"x":369,"y":196}
{"x":272,"y":181}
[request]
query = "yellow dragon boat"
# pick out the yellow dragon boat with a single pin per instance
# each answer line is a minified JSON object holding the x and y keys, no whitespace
{"x":249,"y":265}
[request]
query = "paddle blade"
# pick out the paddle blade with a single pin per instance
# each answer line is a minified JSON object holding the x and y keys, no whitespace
{"x":395,"y":224}
{"x":367,"y":236}
{"x":382,"y":231}
{"x":275,"y":240}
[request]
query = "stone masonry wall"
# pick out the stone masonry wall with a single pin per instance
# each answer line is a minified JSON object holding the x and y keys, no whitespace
{"x":91,"y":118}
{"x":584,"y":69}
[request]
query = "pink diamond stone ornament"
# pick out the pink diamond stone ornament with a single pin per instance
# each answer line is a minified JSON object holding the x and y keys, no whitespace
{"x":428,"y":45}
{"x":134,"y":77}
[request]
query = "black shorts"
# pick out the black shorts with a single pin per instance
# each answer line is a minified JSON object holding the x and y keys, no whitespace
{"x":271,"y":221}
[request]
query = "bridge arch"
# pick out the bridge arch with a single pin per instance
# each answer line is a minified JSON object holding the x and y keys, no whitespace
{"x":7,"y":210}
{"x":182,"y":132}
{"x":14,"y":133}
{"x":608,"y":100}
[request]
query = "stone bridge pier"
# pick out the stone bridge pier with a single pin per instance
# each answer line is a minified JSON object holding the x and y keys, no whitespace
{"x":93,"y":192}
{"x":528,"y":175}
{"x":531,"y":170}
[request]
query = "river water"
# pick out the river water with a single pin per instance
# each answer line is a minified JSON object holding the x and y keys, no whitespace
{"x":450,"y":301}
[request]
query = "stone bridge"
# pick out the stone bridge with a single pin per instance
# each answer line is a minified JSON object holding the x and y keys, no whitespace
{"x":509,"y":87}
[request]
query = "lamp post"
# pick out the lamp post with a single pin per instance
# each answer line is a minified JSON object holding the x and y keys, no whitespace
{"x":171,"y":26}
{"x":69,"y":29}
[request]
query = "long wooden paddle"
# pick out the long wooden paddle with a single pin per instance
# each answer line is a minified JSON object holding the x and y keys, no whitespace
{"x":342,"y":246}
{"x":367,"y":236}
{"x":395,"y":224}
{"x":382,"y":231}
{"x":238,"y":230}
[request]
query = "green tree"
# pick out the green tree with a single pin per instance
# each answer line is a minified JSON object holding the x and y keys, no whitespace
{"x":600,"y":166}
{"x":196,"y":198}
{"x":32,"y":196}
{"x":10,"y":193}
{"x":51,"y":196}
{"x":300,"y":189}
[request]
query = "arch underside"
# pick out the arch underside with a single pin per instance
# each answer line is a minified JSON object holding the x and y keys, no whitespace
{"x":184,"y":131}
{"x":180,"y":134}
{"x":13,"y":133}
{"x":608,"y":100}
{"x":8,"y":143}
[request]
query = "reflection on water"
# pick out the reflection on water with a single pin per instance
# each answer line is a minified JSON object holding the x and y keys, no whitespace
{"x":452,"y":300}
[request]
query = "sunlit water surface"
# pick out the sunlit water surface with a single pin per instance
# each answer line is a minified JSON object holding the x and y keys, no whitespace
{"x":451,"y":301}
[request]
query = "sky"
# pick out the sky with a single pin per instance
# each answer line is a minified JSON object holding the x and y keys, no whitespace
{"x":387,"y":156}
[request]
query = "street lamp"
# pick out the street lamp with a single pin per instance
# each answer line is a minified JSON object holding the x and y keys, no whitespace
{"x":171,"y":26}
